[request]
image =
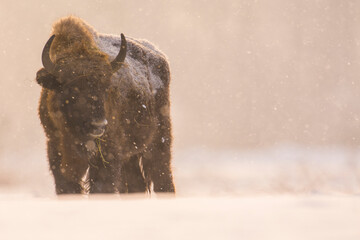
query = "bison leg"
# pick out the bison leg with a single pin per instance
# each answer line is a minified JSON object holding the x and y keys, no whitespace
{"x":101,"y":177}
{"x":157,"y":164}
{"x":132,"y":180}
{"x":62,"y":184}
{"x":158,"y":170}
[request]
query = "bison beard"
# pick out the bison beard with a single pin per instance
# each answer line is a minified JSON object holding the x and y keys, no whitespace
{"x":108,"y":117}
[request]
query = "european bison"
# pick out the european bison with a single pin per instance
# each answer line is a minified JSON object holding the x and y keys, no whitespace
{"x":105,"y":109}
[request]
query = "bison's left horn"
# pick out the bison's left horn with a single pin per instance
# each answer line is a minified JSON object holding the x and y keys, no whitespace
{"x":46,"y":61}
{"x":119,"y":60}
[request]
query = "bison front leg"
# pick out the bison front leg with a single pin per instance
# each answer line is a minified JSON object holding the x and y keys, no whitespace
{"x":102,"y":173}
{"x":62,"y":184}
{"x":131,"y":177}
{"x":101,"y":177}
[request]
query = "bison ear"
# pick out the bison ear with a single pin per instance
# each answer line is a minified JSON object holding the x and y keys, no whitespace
{"x":47,"y":80}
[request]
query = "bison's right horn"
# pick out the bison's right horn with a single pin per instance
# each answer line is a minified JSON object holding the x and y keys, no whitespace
{"x":46,"y":61}
{"x":119,"y":60}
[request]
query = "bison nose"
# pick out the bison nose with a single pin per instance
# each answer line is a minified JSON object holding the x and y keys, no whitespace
{"x":99,"y":123}
{"x":98,"y":128}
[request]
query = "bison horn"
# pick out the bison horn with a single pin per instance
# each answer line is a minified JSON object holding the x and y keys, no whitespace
{"x":46,"y":61}
{"x":119,"y":60}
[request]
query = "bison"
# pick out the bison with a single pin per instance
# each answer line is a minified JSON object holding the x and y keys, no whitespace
{"x":105,"y":110}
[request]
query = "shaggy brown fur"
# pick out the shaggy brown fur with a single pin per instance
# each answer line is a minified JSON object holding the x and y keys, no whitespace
{"x":134,"y":151}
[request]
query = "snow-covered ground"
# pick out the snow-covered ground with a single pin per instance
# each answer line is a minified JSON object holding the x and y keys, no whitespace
{"x":272,"y":170}
{"x":285,"y":192}
{"x":281,"y":217}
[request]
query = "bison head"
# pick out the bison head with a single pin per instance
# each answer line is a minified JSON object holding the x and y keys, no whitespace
{"x":79,"y":81}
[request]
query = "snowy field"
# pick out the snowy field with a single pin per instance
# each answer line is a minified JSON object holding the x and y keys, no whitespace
{"x":286,"y":192}
{"x":281,"y":217}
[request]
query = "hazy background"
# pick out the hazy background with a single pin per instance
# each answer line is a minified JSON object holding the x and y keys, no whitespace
{"x":246,"y":76}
